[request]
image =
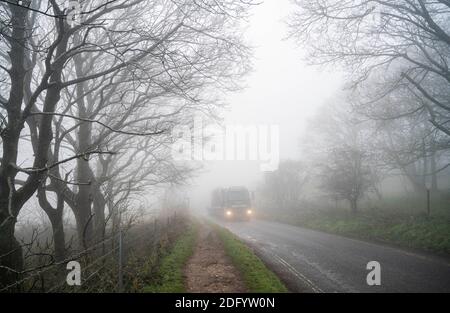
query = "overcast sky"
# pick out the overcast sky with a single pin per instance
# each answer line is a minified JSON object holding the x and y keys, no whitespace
{"x":281,"y":90}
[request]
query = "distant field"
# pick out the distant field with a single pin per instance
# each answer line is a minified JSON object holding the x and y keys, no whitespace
{"x":400,"y":221}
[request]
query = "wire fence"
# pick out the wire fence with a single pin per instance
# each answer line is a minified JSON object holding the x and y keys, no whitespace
{"x":123,"y":258}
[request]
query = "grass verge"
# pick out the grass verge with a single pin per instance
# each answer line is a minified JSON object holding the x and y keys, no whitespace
{"x":169,"y":278}
{"x":401,"y":220}
{"x":257,"y":277}
{"x":429,"y":234}
{"x":420,"y":232}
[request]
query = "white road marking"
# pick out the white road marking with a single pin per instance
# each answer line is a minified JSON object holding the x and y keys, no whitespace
{"x":286,"y":264}
{"x":298,"y":274}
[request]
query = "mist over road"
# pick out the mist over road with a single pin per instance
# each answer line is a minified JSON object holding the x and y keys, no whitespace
{"x":313,"y":261}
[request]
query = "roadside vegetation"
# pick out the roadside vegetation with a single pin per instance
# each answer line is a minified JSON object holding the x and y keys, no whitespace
{"x":419,"y":232}
{"x":94,"y":127}
{"x":256,"y":275}
{"x":400,"y":221}
{"x":105,"y":269}
{"x":169,"y":275}
{"x":385,"y":134}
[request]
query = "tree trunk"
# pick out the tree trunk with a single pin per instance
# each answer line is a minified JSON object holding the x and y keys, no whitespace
{"x":425,"y":165}
{"x":59,"y":240}
{"x":411,"y":174}
{"x":99,"y":217}
{"x":83,"y":219}
{"x":10,"y":249}
{"x":84,"y":197}
{"x":354,"y":206}
{"x":11,"y":201}
{"x":55,"y":215}
{"x":434,"y":181}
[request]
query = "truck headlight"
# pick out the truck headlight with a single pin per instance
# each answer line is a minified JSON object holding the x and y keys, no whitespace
{"x":249,"y":212}
{"x":229,"y":213}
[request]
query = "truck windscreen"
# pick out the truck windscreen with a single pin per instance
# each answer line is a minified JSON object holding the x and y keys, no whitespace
{"x":238,"y":196}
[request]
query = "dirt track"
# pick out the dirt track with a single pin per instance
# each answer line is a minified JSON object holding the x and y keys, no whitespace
{"x":210,"y":270}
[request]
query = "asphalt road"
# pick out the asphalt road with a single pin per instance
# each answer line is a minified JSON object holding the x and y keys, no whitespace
{"x":312,"y":261}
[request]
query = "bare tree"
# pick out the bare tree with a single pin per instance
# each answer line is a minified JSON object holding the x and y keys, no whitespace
{"x":283,"y":188}
{"x":186,"y":40}
{"x":406,"y":42}
{"x":339,"y":146}
{"x":346,"y":176}
{"x":405,"y":140}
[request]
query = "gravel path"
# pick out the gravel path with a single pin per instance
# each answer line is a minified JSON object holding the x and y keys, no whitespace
{"x":210,"y":270}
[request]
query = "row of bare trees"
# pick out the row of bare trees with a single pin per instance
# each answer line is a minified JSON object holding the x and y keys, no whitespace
{"x":392,"y":49}
{"x":89,"y":94}
{"x":395,"y":116}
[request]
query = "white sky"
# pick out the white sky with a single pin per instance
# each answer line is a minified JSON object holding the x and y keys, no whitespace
{"x":281,"y":90}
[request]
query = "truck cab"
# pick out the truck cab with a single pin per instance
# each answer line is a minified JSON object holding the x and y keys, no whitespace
{"x":232,"y":203}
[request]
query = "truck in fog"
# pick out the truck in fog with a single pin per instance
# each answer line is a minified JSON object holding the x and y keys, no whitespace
{"x":233,"y":203}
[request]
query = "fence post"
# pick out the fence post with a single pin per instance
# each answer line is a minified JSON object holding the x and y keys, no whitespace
{"x":120,"y":285}
{"x":120,"y":273}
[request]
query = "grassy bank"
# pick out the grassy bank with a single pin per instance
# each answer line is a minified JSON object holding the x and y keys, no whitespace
{"x":430,"y":234}
{"x":169,"y":277}
{"x":419,"y":232}
{"x":256,"y":275}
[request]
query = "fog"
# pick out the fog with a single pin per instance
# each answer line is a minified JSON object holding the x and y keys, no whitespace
{"x":282,"y":90}
{"x":146,"y":120}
